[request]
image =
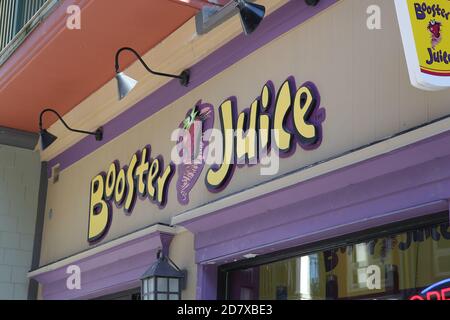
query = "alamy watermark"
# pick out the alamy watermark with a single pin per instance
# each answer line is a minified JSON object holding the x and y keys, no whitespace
{"x":73,"y":281}
{"x":73,"y":21}
{"x":236,"y":147}
{"x":373,"y":280}
{"x":373,"y":21}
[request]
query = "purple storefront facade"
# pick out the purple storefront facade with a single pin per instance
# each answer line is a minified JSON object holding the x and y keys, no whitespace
{"x":398,"y":186}
{"x":367,"y":186}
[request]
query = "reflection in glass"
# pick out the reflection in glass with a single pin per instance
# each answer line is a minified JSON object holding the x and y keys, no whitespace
{"x":395,"y":267}
{"x":305,"y":279}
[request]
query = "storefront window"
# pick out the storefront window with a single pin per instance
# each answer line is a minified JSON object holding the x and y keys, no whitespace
{"x":397,"y":266}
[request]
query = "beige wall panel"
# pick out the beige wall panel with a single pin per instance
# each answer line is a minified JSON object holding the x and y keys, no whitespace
{"x":181,"y":244}
{"x":363,"y":82}
{"x":388,"y":53}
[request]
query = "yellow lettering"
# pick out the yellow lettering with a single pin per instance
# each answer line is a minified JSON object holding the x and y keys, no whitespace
{"x":284,"y":100}
{"x":266,"y":98}
{"x":218,"y":177}
{"x":99,"y":211}
{"x":163,"y":184}
{"x":152,"y":176}
{"x":110,"y":181}
{"x":304,"y":105}
{"x":121,"y":188}
{"x":264,"y":119}
{"x":246,"y":142}
{"x":131,"y":196}
{"x":264,"y":132}
{"x":141,"y":171}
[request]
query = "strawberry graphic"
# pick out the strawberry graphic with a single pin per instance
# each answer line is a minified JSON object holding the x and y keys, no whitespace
{"x":192,"y":124}
{"x":198,"y":120}
{"x":435,"y":29}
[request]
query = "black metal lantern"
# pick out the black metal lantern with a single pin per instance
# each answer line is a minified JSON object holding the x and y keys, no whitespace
{"x":163,"y":280}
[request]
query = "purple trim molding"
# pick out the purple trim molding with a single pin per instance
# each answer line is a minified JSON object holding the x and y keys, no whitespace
{"x":279,"y":22}
{"x":411,"y":182}
{"x":111,"y":271}
{"x":206,"y":282}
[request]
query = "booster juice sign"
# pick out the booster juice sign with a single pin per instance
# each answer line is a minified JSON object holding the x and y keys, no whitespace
{"x":425,"y":30}
{"x":274,"y":125}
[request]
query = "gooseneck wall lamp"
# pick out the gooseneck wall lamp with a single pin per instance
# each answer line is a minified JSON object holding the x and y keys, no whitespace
{"x":126,"y":84}
{"x":47,"y":138}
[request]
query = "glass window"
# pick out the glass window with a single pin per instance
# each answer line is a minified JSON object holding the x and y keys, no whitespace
{"x":162,"y":285}
{"x":151,"y":284}
{"x":162,"y":296}
{"x":173,"y":285}
{"x":398,"y":266}
{"x":146,"y":286}
{"x":174,"y":297}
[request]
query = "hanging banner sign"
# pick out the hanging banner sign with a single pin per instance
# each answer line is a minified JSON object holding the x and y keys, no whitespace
{"x":425,"y":30}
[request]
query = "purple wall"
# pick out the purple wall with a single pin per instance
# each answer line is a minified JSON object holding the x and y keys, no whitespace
{"x":110,"y":271}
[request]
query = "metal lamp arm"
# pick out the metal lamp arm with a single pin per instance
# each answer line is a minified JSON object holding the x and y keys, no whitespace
{"x":64,"y":123}
{"x":143,"y":63}
{"x":184,"y":76}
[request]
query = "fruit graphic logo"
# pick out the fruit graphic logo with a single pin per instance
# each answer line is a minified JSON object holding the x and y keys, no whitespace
{"x":192,"y":148}
{"x":435,"y":29}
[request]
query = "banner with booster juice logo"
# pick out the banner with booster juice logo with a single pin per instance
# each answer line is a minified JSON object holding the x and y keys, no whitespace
{"x":425,"y":30}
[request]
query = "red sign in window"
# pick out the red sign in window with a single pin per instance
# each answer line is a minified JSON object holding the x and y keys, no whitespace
{"x":438,"y":291}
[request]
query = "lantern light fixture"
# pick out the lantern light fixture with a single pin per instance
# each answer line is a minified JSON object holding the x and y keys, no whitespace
{"x":163,"y":280}
{"x":47,"y":138}
{"x":125,"y":83}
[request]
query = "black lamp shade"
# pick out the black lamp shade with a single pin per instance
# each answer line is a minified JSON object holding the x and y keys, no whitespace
{"x":47,"y":139}
{"x":251,"y":15}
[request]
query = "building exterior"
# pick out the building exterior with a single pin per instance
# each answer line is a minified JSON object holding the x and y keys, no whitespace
{"x":19,"y":185}
{"x":20,"y":168}
{"x":351,"y":202}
